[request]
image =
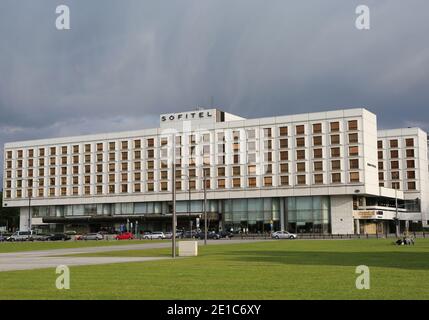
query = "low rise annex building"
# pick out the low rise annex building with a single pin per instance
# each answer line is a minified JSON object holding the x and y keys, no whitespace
{"x":325,"y":172}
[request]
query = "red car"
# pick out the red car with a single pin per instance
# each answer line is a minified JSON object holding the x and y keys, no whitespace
{"x":125,"y":236}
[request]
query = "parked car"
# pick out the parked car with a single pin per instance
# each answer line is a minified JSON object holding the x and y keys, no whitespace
{"x":169,"y":235}
{"x":124,"y":236}
{"x":3,"y":237}
{"x":283,"y":235}
{"x":210,"y":235}
{"x":92,"y":236}
{"x":226,"y":234}
{"x":21,"y":236}
{"x":189,"y":234}
{"x":154,"y":235}
{"x":58,"y":237}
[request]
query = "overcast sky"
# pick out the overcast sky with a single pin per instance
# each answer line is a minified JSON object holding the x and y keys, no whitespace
{"x":125,"y":62}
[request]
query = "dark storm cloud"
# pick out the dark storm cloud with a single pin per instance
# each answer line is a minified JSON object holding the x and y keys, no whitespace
{"x":124,"y":62}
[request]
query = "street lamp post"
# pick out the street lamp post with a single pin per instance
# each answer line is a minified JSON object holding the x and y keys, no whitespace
{"x":205,"y":207}
{"x":173,"y":238}
{"x":397,"y":218}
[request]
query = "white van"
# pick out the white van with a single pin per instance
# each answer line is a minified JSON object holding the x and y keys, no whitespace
{"x":21,"y":236}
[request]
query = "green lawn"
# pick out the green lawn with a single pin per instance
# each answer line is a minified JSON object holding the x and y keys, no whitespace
{"x":301,"y":269}
{"x":6,"y":247}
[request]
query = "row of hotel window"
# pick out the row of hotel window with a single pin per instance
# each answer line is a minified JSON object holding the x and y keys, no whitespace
{"x":335,"y":152}
{"x":394,"y":143}
{"x":221,"y":184}
{"x":150,"y":142}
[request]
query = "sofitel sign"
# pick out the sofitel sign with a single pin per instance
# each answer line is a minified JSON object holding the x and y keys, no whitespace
{"x":193,"y":115}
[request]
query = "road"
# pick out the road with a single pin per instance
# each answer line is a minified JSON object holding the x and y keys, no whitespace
{"x":29,"y":260}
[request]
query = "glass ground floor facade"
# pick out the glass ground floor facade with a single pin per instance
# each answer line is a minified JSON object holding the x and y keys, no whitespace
{"x":252,"y":215}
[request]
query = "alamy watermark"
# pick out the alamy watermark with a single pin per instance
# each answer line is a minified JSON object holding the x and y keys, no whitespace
{"x":63,"y":280}
{"x":363,"y":280}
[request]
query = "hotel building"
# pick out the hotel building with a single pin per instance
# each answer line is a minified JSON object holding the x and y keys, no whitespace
{"x":324,"y":172}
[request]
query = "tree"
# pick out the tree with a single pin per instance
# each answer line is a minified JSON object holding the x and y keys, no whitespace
{"x":8,"y":216}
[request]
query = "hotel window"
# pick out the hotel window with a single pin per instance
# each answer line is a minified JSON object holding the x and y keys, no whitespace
{"x":236,"y":147}
{"x":192,"y":172}
{"x":252,"y":182}
{"x":52,"y":192}
{"x":317,"y":153}
{"x":300,"y":154}
{"x":381,"y":176}
{"x":318,"y":179}
{"x":221,"y":183}
{"x":8,"y":184}
{"x":192,"y":184}
{"x":52,"y":161}
{"x":381,"y":165}
{"x":150,"y":187}
{"x":19,"y":173}
{"x":8,"y":174}
{"x":284,"y":180}
{"x":99,"y":157}
{"x":52,"y":151}
{"x":19,"y":183}
{"x":221,"y":147}
{"x":75,"y":149}
{"x":164,"y":174}
{"x":268,"y":144}
{"x":410,"y":164}
{"x":178,"y":185}
{"x":336,"y":164}
{"x":137,"y":187}
{"x":411,"y":185}
{"x":87,"y":158}
{"x":335,"y":152}
{"x":394,"y":143}
{"x":284,"y":155}
{"x":336,"y":177}
{"x":354,"y":176}
{"x":112,"y":188}
{"x":268,"y":168}
{"x":64,"y":150}
{"x":236,"y":183}
{"x":124,"y":155}
{"x":353,"y":125}
{"x":111,"y":177}
{"x":87,"y":179}
{"x":112,"y":146}
{"x":192,"y":139}
{"x":394,"y":175}
{"x":75,"y":159}
{"x":394,"y":165}
{"x":111,"y":167}
{"x":137,"y":154}
{"x":284,"y":168}
{"x":150,"y":165}
{"x":411,"y":174}
{"x":52,"y":171}
{"x":335,"y":139}
{"x":317,"y":141}
{"x":20,"y":153}
{"x":335,"y":126}
{"x":409,"y":142}
{"x":9,"y":164}
{"x":353,"y":151}
{"x":137,"y":144}
{"x":251,"y":170}
{"x":164,"y":186}
{"x":87,"y":169}
{"x":41,"y":152}
{"x":220,"y":136}
{"x":353,"y":138}
{"x":75,"y":180}
{"x":410,"y":153}
{"x":300,"y":179}
{"x":30,"y":162}
{"x":63,"y":160}
{"x":99,"y":178}
{"x":99,"y":168}
{"x":221,"y":172}
{"x":283,"y":143}
{"x":63,"y":191}
{"x":124,"y":188}
{"x":317,"y":128}
{"x":100,"y":146}
{"x":124,"y":145}
{"x":380,"y":144}
{"x":99,"y":189}
{"x":318,"y":166}
{"x":164,"y":141}
{"x":300,"y":142}
{"x":380,"y":154}
{"x":19,"y":164}
{"x":299,"y":129}
{"x":206,"y":149}
{"x":63,"y":181}
{"x":137,"y":165}
{"x":8,"y":194}
{"x":75,"y":191}
{"x":9,"y":155}
{"x":268,"y":181}
{"x":300,"y":167}
{"x":150,"y":142}
{"x":283,"y":131}
{"x":394,"y":154}
{"x":354,"y":164}
{"x":236,"y":158}
{"x":87,"y":148}
{"x":206,"y":137}
{"x":19,"y":193}
{"x":30,"y":153}
{"x":150,"y":154}
{"x":267,"y":132}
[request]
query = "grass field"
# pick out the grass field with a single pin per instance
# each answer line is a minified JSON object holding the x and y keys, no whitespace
{"x":6,"y":247}
{"x":302,"y":269}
